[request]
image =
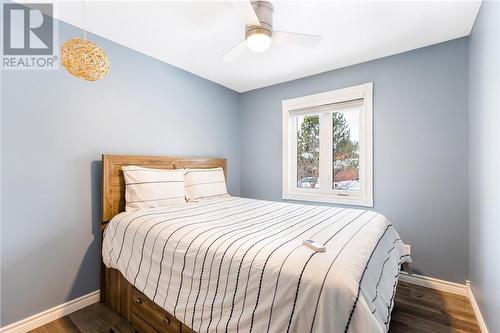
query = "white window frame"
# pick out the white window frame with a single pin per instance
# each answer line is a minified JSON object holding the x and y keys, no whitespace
{"x":292,"y":107}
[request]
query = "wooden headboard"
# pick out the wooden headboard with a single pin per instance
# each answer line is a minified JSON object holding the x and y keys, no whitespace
{"x":113,"y":183}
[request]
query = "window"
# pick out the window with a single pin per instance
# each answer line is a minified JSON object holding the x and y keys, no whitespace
{"x":327,"y":147}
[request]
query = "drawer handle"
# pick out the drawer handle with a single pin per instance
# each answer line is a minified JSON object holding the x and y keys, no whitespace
{"x":166,"y":320}
{"x":138,"y":301}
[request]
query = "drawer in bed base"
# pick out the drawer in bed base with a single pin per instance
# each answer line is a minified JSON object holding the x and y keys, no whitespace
{"x":141,"y":326}
{"x":152,"y":314}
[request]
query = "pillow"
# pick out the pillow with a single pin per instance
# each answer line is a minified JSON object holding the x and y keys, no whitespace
{"x":150,"y":188}
{"x":204,"y":183}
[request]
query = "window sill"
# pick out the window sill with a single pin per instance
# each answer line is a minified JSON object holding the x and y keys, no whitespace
{"x":329,"y":198}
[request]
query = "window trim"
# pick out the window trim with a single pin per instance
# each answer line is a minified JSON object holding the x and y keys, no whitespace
{"x":289,"y":167}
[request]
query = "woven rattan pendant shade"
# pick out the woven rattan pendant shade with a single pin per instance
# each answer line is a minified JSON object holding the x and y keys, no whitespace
{"x":84,"y":59}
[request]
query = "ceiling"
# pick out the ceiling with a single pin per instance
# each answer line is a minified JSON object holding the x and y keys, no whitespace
{"x":193,"y":35}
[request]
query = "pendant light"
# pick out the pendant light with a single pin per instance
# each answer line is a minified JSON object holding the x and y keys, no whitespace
{"x":84,"y":58}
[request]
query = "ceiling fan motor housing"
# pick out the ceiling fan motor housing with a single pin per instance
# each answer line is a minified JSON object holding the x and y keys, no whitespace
{"x":264,"y":12}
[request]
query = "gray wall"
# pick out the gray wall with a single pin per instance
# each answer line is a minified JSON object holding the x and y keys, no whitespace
{"x":54,"y":129}
{"x":420,"y":147}
{"x":484,"y":161}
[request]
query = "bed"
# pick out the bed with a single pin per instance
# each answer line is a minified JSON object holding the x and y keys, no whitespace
{"x":233,"y":264}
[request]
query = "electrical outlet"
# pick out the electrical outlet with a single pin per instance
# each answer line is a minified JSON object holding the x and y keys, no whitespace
{"x":407,"y":248}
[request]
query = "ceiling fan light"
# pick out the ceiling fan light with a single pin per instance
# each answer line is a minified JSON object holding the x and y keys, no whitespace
{"x":258,"y":40}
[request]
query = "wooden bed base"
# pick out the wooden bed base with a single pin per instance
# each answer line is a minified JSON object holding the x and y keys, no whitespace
{"x":144,"y":315}
{"x":116,"y":291}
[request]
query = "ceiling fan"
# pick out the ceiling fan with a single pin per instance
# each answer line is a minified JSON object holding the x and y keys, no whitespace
{"x":259,"y":34}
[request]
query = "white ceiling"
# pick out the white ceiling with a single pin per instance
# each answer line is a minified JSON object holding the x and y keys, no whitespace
{"x":193,"y":35}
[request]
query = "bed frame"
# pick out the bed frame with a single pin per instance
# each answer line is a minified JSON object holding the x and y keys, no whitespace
{"x":144,"y":315}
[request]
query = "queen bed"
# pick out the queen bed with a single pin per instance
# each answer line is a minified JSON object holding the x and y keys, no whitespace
{"x":230,"y":264}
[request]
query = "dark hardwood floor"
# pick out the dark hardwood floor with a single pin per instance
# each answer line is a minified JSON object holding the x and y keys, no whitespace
{"x":423,"y":310}
{"x":417,"y":310}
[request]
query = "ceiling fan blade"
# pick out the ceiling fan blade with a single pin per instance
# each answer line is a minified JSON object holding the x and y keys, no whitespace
{"x":247,"y":13}
{"x":234,"y":52}
{"x":305,"y":40}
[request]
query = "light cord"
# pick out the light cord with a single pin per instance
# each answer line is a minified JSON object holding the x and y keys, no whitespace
{"x":84,"y":22}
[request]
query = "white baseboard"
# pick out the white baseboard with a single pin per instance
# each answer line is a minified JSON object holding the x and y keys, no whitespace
{"x":429,"y":282}
{"x":49,"y":315}
{"x":475,"y":307}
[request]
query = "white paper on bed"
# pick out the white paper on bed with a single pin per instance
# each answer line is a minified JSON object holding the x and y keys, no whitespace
{"x":239,"y":265}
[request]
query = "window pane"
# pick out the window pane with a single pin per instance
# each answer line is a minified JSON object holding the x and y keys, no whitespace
{"x":308,"y":151}
{"x":346,"y":150}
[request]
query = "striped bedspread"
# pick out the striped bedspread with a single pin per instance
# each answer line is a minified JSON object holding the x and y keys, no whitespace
{"x":239,"y":265}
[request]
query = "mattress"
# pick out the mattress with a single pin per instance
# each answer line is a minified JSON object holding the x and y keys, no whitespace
{"x":239,"y":265}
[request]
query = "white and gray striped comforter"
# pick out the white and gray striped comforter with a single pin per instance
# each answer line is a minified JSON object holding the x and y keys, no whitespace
{"x":238,"y":265}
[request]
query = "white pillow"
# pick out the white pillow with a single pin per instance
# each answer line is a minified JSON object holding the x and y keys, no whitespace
{"x":204,"y":183}
{"x":150,"y":188}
